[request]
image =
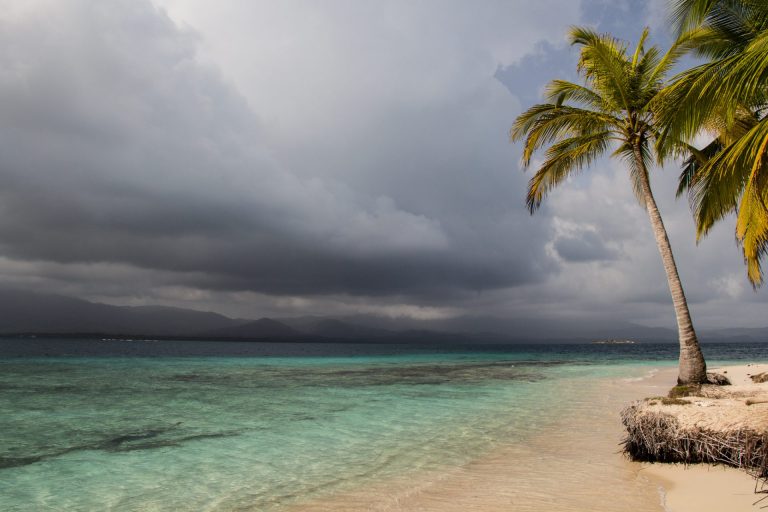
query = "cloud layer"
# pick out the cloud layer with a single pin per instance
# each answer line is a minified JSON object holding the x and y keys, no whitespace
{"x":261,"y":157}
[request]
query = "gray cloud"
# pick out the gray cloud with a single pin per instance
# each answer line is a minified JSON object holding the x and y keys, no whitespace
{"x":122,"y":147}
{"x":303,"y":157}
{"x":588,"y":246}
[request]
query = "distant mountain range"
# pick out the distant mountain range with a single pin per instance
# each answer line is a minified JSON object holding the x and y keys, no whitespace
{"x":261,"y":328}
{"x":29,"y":313}
{"x":22,"y":311}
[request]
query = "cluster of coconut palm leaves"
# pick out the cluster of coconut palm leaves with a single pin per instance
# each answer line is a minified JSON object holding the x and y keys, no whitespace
{"x":629,"y":105}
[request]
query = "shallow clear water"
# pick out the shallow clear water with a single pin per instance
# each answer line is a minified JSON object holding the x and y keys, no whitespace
{"x":268,"y":427}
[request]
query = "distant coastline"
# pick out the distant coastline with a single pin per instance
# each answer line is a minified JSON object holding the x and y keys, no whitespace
{"x":28,"y":315}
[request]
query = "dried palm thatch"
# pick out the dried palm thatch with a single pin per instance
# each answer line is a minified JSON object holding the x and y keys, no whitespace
{"x":656,"y":436}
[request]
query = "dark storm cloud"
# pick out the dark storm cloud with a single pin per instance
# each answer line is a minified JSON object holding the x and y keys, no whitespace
{"x":588,"y":246}
{"x":119,"y":146}
{"x":321,"y":157}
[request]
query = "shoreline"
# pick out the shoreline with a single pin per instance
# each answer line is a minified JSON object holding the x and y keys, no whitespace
{"x":574,"y":465}
{"x":545,"y":472}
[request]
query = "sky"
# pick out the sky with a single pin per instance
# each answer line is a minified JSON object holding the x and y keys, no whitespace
{"x":261,"y":158}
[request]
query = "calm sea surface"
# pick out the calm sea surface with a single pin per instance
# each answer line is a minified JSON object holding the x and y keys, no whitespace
{"x":221,"y":426}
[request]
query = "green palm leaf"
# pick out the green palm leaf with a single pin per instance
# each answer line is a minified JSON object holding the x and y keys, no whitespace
{"x":728,"y":97}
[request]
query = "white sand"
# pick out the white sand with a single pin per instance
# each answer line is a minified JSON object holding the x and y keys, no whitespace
{"x":723,"y":408}
{"x":704,"y":488}
{"x":739,"y":375}
{"x":710,"y":488}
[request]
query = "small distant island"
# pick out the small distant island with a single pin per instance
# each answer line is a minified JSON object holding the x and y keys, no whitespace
{"x":614,"y":342}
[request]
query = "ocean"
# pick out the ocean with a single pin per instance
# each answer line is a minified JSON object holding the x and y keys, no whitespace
{"x":91,"y":425}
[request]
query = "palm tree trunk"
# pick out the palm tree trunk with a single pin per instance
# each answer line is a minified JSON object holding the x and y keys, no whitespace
{"x":692,"y":369}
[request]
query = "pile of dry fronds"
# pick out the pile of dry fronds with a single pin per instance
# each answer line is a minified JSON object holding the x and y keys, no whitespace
{"x":655,"y":436}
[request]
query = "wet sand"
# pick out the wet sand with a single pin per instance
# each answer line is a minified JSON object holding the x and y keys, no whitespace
{"x":573,"y":465}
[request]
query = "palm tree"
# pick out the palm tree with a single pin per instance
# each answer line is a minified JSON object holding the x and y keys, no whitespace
{"x":726,"y":96}
{"x":613,"y":109}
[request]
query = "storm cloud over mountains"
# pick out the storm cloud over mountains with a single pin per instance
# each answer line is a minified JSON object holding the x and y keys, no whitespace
{"x":263,"y":158}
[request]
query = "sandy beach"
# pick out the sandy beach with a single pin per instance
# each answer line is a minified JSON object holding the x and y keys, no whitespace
{"x":706,"y":487}
{"x":572,"y":466}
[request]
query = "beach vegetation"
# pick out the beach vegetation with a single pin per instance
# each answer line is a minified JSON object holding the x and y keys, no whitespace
{"x":673,"y":401}
{"x":612,"y":110}
{"x":726,"y":99}
{"x":664,"y":400}
{"x":684,"y":390}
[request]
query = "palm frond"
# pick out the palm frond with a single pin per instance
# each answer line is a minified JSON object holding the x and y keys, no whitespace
{"x":728,"y":16}
{"x":560,"y":92}
{"x":688,"y":14}
{"x":640,"y":48}
{"x":746,"y":155}
{"x":727,"y":96}
{"x":563,"y":159}
{"x":603,"y":61}
{"x":546,"y":123}
{"x":735,"y":35}
{"x":752,"y":229}
{"x":692,"y":166}
{"x":733,"y":178}
{"x":659,"y":67}
{"x":627,"y":154}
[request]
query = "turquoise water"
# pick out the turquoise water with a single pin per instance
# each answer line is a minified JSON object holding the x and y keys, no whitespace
{"x":261,"y":433}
